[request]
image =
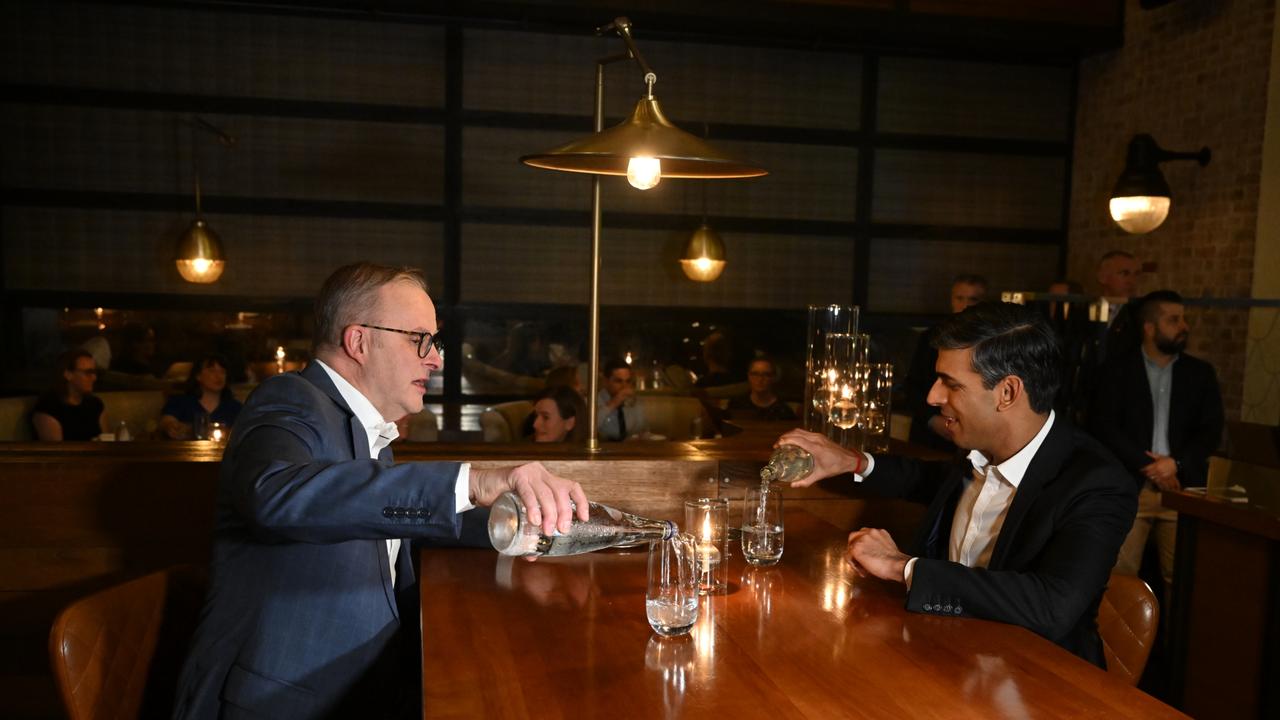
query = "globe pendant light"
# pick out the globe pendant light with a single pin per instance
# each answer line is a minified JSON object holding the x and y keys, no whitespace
{"x":703,"y":259}
{"x":199,"y":257}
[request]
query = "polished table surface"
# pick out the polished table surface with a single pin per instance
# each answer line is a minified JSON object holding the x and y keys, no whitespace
{"x":568,"y":638}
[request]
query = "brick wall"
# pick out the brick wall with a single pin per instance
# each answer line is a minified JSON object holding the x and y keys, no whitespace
{"x":1192,"y":73}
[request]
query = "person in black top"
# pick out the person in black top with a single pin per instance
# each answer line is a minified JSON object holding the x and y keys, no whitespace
{"x":70,"y":411}
{"x":206,"y":394}
{"x":761,"y":403}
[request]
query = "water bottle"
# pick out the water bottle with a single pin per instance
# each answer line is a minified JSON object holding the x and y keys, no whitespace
{"x":788,"y":464}
{"x":511,"y":533}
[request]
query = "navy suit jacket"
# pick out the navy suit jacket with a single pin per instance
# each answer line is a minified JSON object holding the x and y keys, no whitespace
{"x":1124,"y":415}
{"x":302,"y":619}
{"x":1054,"y":553}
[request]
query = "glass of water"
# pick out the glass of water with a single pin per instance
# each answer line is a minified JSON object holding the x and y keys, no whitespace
{"x":671,"y":601}
{"x":762,"y":529}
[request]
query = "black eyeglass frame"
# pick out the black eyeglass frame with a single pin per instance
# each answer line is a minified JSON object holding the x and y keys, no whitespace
{"x":425,"y":339}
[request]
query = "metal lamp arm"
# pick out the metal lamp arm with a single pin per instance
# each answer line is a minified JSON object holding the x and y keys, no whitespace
{"x":622,"y":26}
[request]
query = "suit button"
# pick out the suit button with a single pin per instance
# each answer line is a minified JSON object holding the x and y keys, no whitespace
{"x":946,"y":608}
{"x":387,"y":512}
{"x":956,"y":610}
{"x":928,"y":607}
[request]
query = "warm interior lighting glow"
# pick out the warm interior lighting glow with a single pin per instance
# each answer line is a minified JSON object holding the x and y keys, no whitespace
{"x":702,"y":269}
{"x":200,"y":270}
{"x":644,"y":172}
{"x":1139,"y":214}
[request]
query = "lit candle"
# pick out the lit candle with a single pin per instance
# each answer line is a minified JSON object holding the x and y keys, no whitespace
{"x":279,"y":359}
{"x":627,"y":359}
{"x":708,"y":554}
{"x":216,"y":434}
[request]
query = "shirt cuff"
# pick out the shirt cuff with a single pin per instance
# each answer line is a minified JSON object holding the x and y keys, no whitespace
{"x":462,"y":489}
{"x":871,"y":465}
{"x":908,"y":571}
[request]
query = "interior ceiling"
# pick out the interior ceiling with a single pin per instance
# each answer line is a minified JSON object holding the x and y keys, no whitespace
{"x":1043,"y":28}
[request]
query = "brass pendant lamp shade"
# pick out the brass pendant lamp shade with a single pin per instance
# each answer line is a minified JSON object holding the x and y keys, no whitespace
{"x":703,"y":259}
{"x":199,"y":257}
{"x":647,"y":133}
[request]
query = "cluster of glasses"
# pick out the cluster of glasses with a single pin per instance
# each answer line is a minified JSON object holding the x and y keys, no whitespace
{"x":851,"y":397}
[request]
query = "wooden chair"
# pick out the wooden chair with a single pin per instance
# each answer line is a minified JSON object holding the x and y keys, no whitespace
{"x":117,"y":653}
{"x":1127,"y":620}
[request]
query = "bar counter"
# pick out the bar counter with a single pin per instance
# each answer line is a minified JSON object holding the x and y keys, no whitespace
{"x":807,"y":638}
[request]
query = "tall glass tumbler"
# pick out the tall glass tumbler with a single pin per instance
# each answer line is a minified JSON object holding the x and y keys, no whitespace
{"x":671,"y":599}
{"x":823,"y":320}
{"x":762,"y":528}
{"x":843,"y":389}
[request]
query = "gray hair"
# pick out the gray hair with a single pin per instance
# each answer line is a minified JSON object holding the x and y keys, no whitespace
{"x":350,"y":296}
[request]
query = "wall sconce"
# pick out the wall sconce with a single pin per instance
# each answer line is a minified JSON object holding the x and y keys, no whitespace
{"x":1141,"y":199}
{"x":645,"y":148}
{"x":199,"y":256}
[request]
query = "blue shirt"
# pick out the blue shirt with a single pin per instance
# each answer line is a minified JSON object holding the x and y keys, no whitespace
{"x":1160,"y":379}
{"x":186,"y":407}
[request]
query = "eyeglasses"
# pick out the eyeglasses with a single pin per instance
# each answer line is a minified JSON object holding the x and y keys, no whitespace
{"x":425,"y":340}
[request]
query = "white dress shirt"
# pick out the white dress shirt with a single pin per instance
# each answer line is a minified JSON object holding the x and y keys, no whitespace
{"x":983,"y":503}
{"x":380,"y":434}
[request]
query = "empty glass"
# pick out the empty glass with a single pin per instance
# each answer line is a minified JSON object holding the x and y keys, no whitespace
{"x":671,"y":600}
{"x":762,"y":529}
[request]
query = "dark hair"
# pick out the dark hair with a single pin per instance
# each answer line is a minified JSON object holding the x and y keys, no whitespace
{"x":192,"y":386}
{"x":1007,"y":339}
{"x":570,"y":405}
{"x":970,"y":279}
{"x":717,"y":349}
{"x":773,"y":366}
{"x":67,"y":363}
{"x":349,"y":296}
{"x":1149,"y":305}
{"x":615,"y":364}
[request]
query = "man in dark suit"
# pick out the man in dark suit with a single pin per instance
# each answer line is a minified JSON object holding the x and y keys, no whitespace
{"x":1160,"y":411}
{"x":310,"y":613}
{"x":1026,"y":528}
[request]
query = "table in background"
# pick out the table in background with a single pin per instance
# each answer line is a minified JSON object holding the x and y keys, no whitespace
{"x":1225,"y":628}
{"x":567,"y":638}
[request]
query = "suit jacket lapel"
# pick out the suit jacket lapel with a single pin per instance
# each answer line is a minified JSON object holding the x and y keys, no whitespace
{"x":1044,"y":468}
{"x":934,"y":541}
{"x":359,"y":451}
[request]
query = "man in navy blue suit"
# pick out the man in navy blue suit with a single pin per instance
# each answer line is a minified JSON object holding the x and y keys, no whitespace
{"x":1025,"y":529}
{"x":310,"y":583}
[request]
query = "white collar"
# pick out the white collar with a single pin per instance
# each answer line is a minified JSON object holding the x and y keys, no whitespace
{"x":370,"y":419}
{"x":1016,"y":466}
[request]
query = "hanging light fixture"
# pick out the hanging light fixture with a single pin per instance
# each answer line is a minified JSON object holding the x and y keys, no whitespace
{"x":703,"y":259}
{"x":645,"y":148}
{"x":199,"y":255}
{"x":1141,"y":200}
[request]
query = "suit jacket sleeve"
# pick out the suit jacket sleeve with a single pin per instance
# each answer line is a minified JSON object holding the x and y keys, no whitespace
{"x":1206,"y":432}
{"x":1052,"y":593}
{"x":285,"y":478}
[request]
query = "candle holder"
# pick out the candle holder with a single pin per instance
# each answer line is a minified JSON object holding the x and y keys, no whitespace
{"x":707,"y":520}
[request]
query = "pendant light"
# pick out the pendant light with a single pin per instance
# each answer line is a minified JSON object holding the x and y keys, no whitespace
{"x":199,"y":256}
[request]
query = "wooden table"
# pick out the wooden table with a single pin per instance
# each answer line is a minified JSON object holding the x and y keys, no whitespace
{"x":567,"y":638}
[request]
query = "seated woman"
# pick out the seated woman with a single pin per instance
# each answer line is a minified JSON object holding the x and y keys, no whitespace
{"x":206,"y":393}
{"x":559,"y":415}
{"x":70,"y":411}
{"x":762,"y":404}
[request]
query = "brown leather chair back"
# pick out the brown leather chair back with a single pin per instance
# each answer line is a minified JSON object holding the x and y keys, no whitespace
{"x":1127,"y":621}
{"x":117,"y":653}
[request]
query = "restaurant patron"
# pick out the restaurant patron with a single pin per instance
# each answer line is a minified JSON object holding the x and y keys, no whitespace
{"x":1026,"y":528}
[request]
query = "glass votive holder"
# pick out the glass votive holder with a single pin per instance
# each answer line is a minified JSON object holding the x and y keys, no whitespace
{"x":707,"y":519}
{"x":218,"y":432}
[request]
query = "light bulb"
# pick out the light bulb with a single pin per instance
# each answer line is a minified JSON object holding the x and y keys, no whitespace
{"x":200,"y":270}
{"x":1140,"y":213}
{"x":644,"y":172}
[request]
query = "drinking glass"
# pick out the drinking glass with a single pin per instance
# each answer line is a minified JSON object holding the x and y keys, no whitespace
{"x":671,"y":600}
{"x":200,"y":426}
{"x":878,"y":406}
{"x":762,"y":529}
